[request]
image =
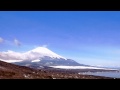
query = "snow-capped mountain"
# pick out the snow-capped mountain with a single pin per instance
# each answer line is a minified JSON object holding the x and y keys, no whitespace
{"x":37,"y":53}
{"x":40,"y":56}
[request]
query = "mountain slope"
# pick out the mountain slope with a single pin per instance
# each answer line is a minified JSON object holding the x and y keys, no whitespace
{"x":45,"y":62}
{"x":8,"y":70}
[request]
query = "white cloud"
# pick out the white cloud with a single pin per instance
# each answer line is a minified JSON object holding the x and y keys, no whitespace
{"x":17,"y":42}
{"x":1,"y":40}
{"x":7,"y":42}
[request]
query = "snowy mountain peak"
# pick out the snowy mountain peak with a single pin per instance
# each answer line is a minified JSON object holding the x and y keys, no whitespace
{"x":40,"y":49}
{"x":35,"y":54}
{"x":43,"y":51}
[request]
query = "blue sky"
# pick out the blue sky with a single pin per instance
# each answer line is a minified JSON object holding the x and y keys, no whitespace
{"x":89,"y":37}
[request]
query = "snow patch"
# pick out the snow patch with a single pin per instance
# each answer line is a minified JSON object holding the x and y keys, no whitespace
{"x":35,"y":60}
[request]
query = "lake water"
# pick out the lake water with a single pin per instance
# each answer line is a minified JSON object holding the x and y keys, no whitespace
{"x":106,"y":74}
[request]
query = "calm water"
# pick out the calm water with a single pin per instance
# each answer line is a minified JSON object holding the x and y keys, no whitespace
{"x":106,"y":74}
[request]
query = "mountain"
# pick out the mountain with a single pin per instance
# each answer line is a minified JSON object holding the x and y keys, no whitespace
{"x":40,"y":56}
{"x":34,"y":54}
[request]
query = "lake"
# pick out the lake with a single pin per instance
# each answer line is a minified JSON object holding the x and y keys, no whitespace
{"x":114,"y":74}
